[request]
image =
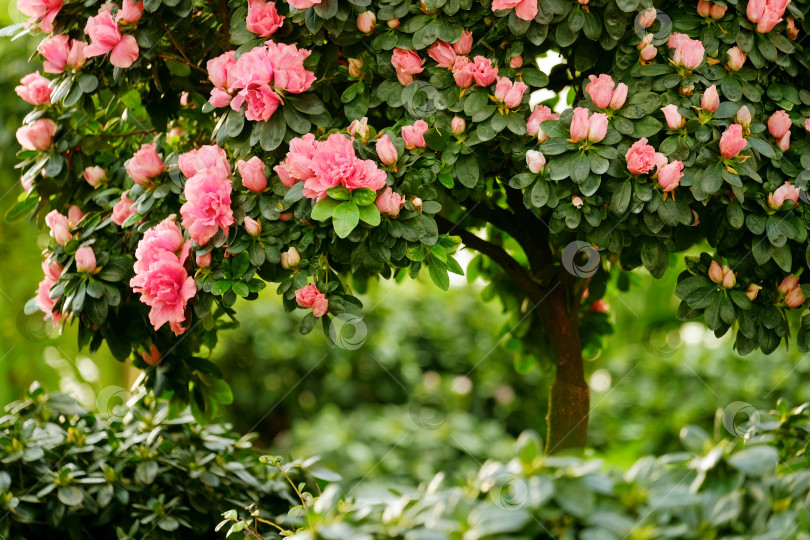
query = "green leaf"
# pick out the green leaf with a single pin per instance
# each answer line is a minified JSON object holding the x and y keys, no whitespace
{"x":364,"y":196}
{"x":438,"y":273}
{"x":70,"y":495}
{"x":345,"y":218}
{"x":324,"y":208}
{"x":271,"y":133}
{"x":755,"y":461}
{"x":339,"y":193}
{"x":370,"y":214}
{"x":467,"y":171}
{"x":22,"y":209}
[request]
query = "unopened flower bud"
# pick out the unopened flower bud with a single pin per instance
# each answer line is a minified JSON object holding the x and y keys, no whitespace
{"x":290,"y":258}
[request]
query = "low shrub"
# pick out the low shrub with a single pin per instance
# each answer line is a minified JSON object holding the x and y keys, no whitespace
{"x":141,"y":472}
{"x":755,"y":485}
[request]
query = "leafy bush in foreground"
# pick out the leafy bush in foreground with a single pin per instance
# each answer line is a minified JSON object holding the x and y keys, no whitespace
{"x":755,"y":486}
{"x":145,"y":475}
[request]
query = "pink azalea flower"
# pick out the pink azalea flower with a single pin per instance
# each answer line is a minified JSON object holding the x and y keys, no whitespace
{"x":208,"y":206}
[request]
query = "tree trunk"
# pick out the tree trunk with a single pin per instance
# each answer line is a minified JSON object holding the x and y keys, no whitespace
{"x":569,"y":399}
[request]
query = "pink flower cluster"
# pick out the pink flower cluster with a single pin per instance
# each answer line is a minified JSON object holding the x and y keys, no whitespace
{"x":406,"y":64}
{"x":779,"y":127}
{"x":478,"y":71}
{"x":766,"y":13}
{"x":61,"y":52}
{"x":60,"y":227}
{"x":325,"y":164}
{"x":263,"y":18}
{"x":389,"y":202}
{"x":688,"y":52}
{"x":445,"y":53}
{"x":35,"y":89}
{"x":311,"y":297}
{"x":414,"y":135}
{"x":792,"y":291}
{"x":208,"y":193}
{"x":38,"y":135}
{"x":540,"y":114}
{"x":584,"y":125}
{"x":257,"y":76}
{"x":642,"y":159}
{"x":44,"y":301}
{"x":711,"y":10}
{"x":105,"y":37}
{"x":524,"y":9}
{"x":603,"y":94}
{"x":44,"y":11}
{"x":161,"y":277}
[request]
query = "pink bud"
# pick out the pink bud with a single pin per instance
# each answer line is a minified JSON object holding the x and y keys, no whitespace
{"x":795,"y":298}
{"x":789,"y":282}
{"x":75,"y":215}
{"x":253,"y":227}
{"x":359,"y":129}
{"x":785,"y":192}
{"x":577,"y":201}
{"x":715,"y":272}
{"x":355,"y":67}
{"x":153,"y":357}
{"x":290,"y":258}
{"x":387,"y":151}
{"x":779,"y":123}
{"x":392,"y":23}
{"x":646,"y":18}
{"x":669,"y":176}
{"x":458,"y":125}
{"x":203,"y":261}
{"x":704,"y":8}
{"x":729,"y":278}
{"x":619,"y":97}
{"x":648,"y":53}
{"x":784,"y":142}
{"x":252,"y":172}
{"x":711,"y":100}
{"x":718,"y":11}
{"x":366,"y":22}
{"x":807,"y":125}
{"x":755,"y":9}
{"x":38,"y":135}
{"x":443,"y":53}
{"x":752,"y":291}
{"x":94,"y":175}
{"x":732,"y":141}
{"x":390,"y":202}
{"x":743,"y":117}
{"x":673,"y":117}
{"x":597,"y":127}
{"x":646,"y":40}
{"x":600,"y":306}
{"x":736,"y":58}
{"x":85,"y":259}
{"x":579,"y":124}
{"x":535,"y":160}
{"x":792,"y":31}
{"x":515,"y":62}
{"x":600,"y":89}
{"x":464,"y":43}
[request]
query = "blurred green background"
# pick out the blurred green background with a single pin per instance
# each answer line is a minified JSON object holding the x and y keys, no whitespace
{"x":423,"y":383}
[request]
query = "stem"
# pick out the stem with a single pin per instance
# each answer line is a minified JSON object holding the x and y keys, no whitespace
{"x":186,"y":61}
{"x":569,"y":399}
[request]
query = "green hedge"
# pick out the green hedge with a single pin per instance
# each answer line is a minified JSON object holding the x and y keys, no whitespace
{"x":139,"y":473}
{"x":753,"y":486}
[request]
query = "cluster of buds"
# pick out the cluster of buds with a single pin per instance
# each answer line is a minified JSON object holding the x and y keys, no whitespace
{"x":791,"y":292}
{"x":711,"y":10}
{"x":723,"y":276}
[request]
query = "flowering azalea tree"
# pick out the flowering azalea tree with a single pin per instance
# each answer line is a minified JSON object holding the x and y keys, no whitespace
{"x":185,"y":153}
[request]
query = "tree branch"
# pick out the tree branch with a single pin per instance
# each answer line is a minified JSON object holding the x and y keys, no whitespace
{"x":512,"y":268}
